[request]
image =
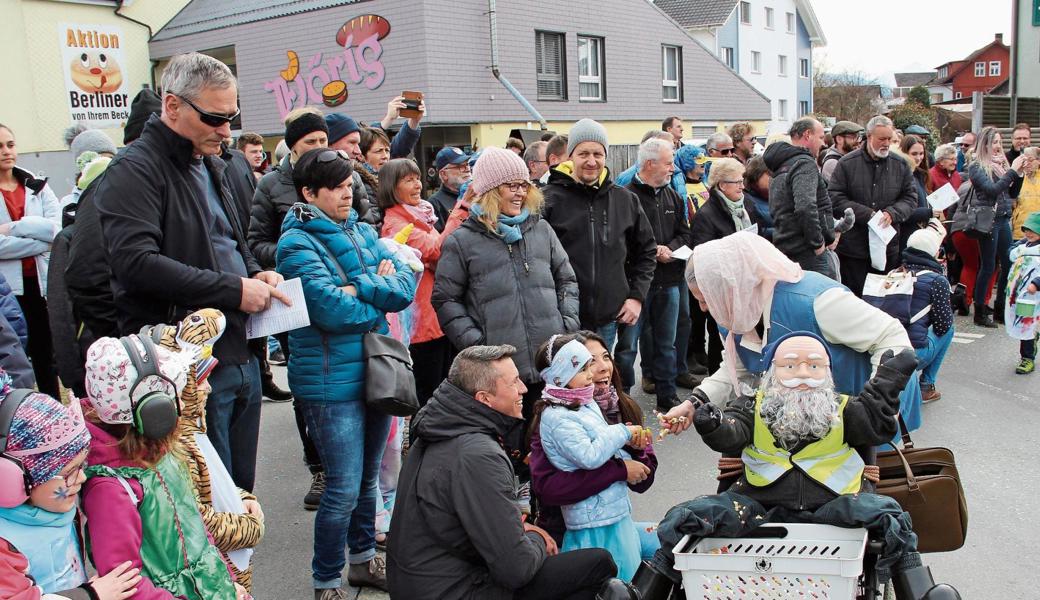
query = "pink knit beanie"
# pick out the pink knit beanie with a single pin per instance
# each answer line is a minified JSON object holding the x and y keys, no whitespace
{"x":495,"y":167}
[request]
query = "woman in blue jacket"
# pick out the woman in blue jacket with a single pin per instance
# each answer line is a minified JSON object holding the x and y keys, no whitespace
{"x":350,"y":281}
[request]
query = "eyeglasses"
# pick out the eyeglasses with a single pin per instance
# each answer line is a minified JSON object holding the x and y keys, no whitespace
{"x":463,"y":168}
{"x":70,"y":479}
{"x":331,"y":155}
{"x":211,"y":119}
{"x":965,"y":145}
{"x":739,"y":182}
{"x":517,"y":187}
{"x":724,"y":150}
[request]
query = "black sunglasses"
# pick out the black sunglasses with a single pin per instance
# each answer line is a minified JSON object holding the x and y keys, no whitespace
{"x":725,"y":150}
{"x":331,"y":155}
{"x":211,"y":119}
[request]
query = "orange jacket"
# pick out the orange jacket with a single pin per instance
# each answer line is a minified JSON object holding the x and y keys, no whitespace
{"x":427,"y":241}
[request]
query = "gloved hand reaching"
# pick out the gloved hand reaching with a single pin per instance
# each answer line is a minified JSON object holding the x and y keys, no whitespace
{"x":892,"y":376}
{"x":707,"y":418}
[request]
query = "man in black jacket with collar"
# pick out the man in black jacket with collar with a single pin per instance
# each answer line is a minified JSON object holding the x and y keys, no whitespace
{"x":176,"y":242}
{"x":664,"y":210}
{"x":605,"y":233}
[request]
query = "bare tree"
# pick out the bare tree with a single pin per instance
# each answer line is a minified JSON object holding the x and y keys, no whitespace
{"x":847,"y":95}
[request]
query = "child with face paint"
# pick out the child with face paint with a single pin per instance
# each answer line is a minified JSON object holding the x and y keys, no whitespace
{"x":138,"y":498}
{"x":40,"y":551}
{"x":575,"y":435}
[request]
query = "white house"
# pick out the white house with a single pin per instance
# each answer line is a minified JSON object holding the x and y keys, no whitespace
{"x":769,"y":43}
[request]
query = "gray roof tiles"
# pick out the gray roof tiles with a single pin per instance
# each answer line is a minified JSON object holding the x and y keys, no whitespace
{"x":698,"y":14}
{"x":208,"y":15}
{"x":914,"y":79}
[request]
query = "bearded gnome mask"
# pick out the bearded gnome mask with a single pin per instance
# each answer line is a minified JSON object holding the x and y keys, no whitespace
{"x":799,"y":403}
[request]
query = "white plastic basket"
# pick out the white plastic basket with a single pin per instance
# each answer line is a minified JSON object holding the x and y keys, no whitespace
{"x":800,"y":562}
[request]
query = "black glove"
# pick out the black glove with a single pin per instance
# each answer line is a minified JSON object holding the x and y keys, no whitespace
{"x":707,"y":418}
{"x":897,"y":369}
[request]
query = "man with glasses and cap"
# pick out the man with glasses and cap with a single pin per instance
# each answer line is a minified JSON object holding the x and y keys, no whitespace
{"x":847,"y":138}
{"x":180,"y":243}
{"x":452,"y":165}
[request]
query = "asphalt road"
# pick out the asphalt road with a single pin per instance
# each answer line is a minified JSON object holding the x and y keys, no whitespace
{"x":986,"y":416}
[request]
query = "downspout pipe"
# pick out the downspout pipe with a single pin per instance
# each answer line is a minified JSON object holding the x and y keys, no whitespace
{"x":155,"y":63}
{"x":1014,"y":63}
{"x":502,"y":78}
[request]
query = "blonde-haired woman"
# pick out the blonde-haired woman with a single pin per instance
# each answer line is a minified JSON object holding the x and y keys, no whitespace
{"x":503,"y":276}
{"x":991,"y":177}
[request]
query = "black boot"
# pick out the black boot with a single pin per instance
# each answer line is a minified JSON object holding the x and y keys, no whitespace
{"x":917,"y":584}
{"x":615,"y":589}
{"x":982,"y":317}
{"x":651,"y":583}
{"x":268,"y":387}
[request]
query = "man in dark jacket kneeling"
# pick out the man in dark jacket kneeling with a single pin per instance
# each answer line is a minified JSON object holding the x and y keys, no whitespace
{"x":457,"y":531}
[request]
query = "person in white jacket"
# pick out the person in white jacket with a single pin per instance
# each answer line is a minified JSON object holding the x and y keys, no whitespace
{"x":29,"y":220}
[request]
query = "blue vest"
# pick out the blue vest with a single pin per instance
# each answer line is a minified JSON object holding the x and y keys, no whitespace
{"x":792,"y":310}
{"x":49,"y":542}
{"x":918,"y":330}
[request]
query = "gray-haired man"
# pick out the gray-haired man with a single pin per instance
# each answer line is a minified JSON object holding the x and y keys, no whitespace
{"x":457,"y":531}
{"x":180,"y":243}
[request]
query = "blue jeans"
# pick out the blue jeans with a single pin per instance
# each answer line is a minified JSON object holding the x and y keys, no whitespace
{"x":350,"y":441}
{"x":992,"y":249}
{"x":233,"y":418}
{"x":682,"y":339}
{"x":661,"y":313}
{"x":930,"y":358}
{"x":272,"y":344}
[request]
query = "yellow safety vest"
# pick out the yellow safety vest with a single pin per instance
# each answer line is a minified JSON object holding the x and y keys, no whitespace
{"x":830,"y":461}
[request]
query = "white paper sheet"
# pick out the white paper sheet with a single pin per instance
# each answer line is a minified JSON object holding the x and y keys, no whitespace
{"x":682,"y":253}
{"x":278,"y":317}
{"x":879,"y":238}
{"x":943,"y":198}
{"x":224,"y":494}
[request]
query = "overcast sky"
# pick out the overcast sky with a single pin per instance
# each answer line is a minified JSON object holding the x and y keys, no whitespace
{"x":879,"y":37}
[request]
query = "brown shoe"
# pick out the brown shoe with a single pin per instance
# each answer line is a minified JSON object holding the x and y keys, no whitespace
{"x":649,"y":387}
{"x":929,"y":394}
{"x":688,"y":380}
{"x":369,"y":574}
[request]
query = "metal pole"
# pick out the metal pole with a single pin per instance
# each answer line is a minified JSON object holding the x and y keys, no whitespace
{"x":1013,"y":88}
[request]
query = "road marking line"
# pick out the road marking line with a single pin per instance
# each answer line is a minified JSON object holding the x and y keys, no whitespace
{"x":969,"y":335}
{"x":959,"y":341}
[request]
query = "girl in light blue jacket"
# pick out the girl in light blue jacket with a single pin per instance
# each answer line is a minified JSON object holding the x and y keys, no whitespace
{"x":574,"y":436}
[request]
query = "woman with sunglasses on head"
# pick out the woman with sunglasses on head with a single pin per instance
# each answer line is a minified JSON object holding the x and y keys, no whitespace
{"x":503,"y":276}
{"x":350,"y":281}
{"x":400,"y":198}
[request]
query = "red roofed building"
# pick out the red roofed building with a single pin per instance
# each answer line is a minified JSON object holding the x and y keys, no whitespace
{"x":983,"y":70}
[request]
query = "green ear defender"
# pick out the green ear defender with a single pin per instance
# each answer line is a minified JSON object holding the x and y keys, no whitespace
{"x":155,"y":414}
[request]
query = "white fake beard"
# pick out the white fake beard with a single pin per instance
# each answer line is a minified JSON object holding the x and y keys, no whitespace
{"x":794,"y":416}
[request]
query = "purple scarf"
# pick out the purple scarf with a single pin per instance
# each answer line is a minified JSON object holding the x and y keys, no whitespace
{"x":568,"y":397}
{"x":606,"y":397}
{"x":422,"y":212}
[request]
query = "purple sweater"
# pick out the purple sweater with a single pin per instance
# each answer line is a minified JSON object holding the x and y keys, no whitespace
{"x":554,"y":488}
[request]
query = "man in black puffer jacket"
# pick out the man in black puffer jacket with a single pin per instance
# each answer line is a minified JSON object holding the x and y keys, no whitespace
{"x":605,"y":233}
{"x":798,"y":200}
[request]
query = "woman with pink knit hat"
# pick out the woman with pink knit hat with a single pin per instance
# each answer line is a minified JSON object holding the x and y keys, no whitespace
{"x":503,"y":276}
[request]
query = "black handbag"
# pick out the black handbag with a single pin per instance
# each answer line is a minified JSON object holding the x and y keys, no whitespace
{"x":979,"y":218}
{"x":389,"y":379}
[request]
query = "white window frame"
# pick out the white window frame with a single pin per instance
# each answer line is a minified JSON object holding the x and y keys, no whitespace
{"x":728,"y":56}
{"x":745,"y":12}
{"x":803,"y":68}
{"x":562,"y":66}
{"x":790,"y":23}
{"x":781,"y":110}
{"x":770,"y":18}
{"x":958,"y":96}
{"x":994,"y":68}
{"x":667,"y":83}
{"x":756,"y":61}
{"x":942,"y":73}
{"x":980,"y":69}
{"x":584,"y":41}
{"x":803,"y":108}
{"x":781,"y":65}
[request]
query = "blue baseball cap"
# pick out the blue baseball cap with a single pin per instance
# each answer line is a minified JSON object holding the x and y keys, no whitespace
{"x":449,"y":155}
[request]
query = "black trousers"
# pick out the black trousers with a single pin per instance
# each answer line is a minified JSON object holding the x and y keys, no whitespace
{"x":574,"y":575}
{"x":41,"y":350}
{"x":854,"y":273}
{"x":430,"y":363}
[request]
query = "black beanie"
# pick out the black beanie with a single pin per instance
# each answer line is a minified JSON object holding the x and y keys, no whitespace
{"x":146,"y":103}
{"x":302,"y":125}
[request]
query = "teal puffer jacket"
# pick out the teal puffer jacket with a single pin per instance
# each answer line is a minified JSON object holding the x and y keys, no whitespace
{"x":326,"y":361}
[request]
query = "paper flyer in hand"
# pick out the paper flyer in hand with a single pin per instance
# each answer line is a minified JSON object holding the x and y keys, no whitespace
{"x":682,"y":253}
{"x":880,"y":236}
{"x":278,"y":317}
{"x":943,"y":198}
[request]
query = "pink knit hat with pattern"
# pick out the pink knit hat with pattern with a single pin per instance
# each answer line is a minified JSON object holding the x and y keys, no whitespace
{"x":495,"y":167}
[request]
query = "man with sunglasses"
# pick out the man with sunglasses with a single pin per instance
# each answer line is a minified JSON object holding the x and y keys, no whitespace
{"x":175,"y":239}
{"x":964,"y":145}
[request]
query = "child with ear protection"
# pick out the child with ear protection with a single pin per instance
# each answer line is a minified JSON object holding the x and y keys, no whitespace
{"x":138,"y":497}
{"x":43,"y":447}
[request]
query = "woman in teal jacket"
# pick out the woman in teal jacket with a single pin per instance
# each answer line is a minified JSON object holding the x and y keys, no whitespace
{"x":350,"y":281}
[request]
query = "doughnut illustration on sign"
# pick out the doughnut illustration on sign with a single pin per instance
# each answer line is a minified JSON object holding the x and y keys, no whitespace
{"x":94,"y":71}
{"x":361,"y":28}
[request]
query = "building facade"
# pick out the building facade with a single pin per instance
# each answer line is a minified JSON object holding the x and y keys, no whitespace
{"x":982,"y":71}
{"x":768,"y":43}
{"x":73,"y":61}
{"x":1026,"y":48}
{"x":592,"y":60}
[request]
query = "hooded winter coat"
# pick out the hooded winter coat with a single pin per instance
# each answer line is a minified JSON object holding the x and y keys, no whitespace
{"x":608,"y":239}
{"x":427,"y":241}
{"x":327,"y":361}
{"x":798,"y":201}
{"x":481,"y":300}
{"x":456,"y":532}
{"x":30,"y":237}
{"x":867,"y":184}
{"x":275,"y":193}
